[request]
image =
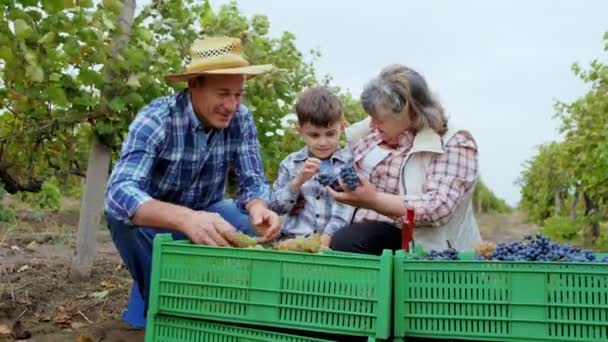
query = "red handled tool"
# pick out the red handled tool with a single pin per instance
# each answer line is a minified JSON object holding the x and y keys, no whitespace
{"x":407,"y":230}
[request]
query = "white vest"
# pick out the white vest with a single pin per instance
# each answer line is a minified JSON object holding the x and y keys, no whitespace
{"x":461,"y":229}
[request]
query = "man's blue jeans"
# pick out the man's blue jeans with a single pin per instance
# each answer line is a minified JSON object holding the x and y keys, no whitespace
{"x":135,"y":247}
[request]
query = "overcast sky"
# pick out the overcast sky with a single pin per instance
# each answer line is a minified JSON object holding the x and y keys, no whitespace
{"x":497,"y":66}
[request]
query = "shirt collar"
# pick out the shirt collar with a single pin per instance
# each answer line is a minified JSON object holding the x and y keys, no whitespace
{"x":405,"y":139}
{"x":193,"y":121}
{"x":302,"y":155}
{"x":340,"y":155}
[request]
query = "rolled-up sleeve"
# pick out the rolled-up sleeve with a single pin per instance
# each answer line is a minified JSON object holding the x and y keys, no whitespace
{"x":283,"y":197}
{"x":449,"y":177}
{"x":341,"y":215}
{"x":125,"y":194}
{"x":250,"y":172}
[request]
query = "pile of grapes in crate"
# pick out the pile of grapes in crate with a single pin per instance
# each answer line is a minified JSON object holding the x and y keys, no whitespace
{"x":531,"y":248}
{"x":308,"y":244}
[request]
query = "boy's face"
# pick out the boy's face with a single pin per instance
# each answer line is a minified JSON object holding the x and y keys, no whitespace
{"x":322,"y":142}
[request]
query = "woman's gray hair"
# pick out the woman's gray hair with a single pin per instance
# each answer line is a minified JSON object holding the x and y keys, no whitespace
{"x":398,"y":86}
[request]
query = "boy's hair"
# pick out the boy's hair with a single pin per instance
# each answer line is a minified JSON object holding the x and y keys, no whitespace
{"x":319,"y":107}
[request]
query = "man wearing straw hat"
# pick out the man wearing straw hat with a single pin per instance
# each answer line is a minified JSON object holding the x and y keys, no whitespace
{"x":172,"y":169}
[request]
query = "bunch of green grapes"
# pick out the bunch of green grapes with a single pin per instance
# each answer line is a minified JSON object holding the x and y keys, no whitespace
{"x":484,"y":249}
{"x":310,"y":244}
{"x":244,"y":240}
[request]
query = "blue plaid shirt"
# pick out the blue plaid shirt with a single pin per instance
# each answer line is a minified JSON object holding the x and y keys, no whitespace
{"x":168,"y":156}
{"x":319,"y":212}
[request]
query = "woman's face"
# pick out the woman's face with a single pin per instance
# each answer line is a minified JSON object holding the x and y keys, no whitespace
{"x":389,"y":125}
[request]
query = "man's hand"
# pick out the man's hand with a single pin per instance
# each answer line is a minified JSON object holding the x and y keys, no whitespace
{"x":208,"y":229}
{"x":309,"y":170}
{"x":325,"y":241}
{"x":266,"y":221}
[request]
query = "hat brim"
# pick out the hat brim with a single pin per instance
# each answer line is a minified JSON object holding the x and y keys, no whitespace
{"x":250,"y":70}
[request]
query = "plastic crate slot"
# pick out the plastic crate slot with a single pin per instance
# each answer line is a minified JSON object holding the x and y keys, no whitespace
{"x":174,"y":329}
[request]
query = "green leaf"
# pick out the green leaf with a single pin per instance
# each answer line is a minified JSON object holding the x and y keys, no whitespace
{"x":118,"y":104}
{"x":85,"y":100}
{"x":113,"y":6}
{"x":55,"y":77}
{"x":57,"y":95}
{"x":35,"y":73}
{"x":146,"y":35}
{"x":89,"y":77}
{"x":22,"y":29}
{"x":53,"y":6}
{"x":34,"y":15}
{"x":134,"y":100}
{"x":133,"y":81}
{"x":71,"y":46}
{"x":84,"y":3}
{"x":6,"y":54}
{"x":27,"y":3}
{"x":28,"y":54}
{"x":104,"y":128}
{"x":207,"y":16}
{"x":108,"y":23}
{"x":48,"y":38}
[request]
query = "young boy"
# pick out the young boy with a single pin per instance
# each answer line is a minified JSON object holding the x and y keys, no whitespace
{"x":297,"y":191}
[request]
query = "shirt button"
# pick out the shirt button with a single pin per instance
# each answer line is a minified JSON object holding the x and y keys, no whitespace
{"x":317,"y":215}
{"x":319,"y":197}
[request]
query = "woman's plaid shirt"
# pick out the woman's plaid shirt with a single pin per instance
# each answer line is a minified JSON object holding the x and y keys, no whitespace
{"x":448,"y":177}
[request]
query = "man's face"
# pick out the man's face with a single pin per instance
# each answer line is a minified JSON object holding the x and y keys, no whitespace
{"x":322,"y":142}
{"x":216,"y":98}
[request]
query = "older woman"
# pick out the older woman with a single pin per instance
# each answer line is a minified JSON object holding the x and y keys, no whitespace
{"x":407,"y":156}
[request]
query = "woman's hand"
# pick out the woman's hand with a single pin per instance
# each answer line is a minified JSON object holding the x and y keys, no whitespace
{"x":362,"y":197}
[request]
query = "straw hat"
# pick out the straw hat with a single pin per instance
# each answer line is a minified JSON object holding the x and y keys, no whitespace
{"x":217,"y":55}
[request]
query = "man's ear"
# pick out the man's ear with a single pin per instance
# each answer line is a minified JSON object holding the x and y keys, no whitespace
{"x":196,"y":82}
{"x":298,"y":128}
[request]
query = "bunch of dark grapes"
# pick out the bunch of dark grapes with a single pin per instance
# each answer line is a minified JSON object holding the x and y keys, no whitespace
{"x":447,"y":254}
{"x":330,"y":180}
{"x":349,"y":177}
{"x":540,"y":248}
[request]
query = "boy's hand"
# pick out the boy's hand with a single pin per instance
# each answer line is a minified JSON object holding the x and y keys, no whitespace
{"x":325,"y":241}
{"x":309,"y":170}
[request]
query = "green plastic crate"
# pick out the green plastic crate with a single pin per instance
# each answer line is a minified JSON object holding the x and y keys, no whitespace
{"x":177,"y":329}
{"x":337,"y":293}
{"x":500,"y":301}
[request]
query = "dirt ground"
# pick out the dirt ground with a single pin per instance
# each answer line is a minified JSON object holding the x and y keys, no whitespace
{"x":38,"y":301}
